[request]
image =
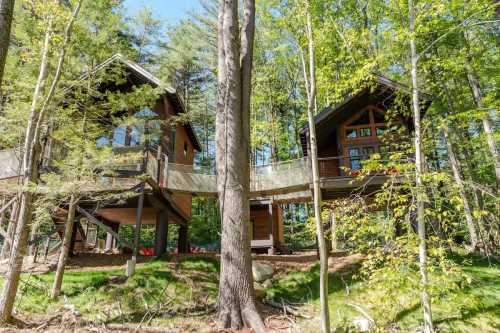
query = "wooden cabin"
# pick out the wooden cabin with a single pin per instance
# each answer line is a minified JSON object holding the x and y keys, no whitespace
{"x":353,"y":130}
{"x":347,"y":133}
{"x":177,"y":143}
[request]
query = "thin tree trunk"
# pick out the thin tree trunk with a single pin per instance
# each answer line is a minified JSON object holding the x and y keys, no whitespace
{"x":236,"y":302}
{"x":6,"y":13}
{"x":485,"y":119}
{"x":29,"y":170}
{"x":333,"y":220}
{"x":63,"y":255}
{"x":455,"y":167}
{"x":323,"y":255}
{"x":428,"y":325}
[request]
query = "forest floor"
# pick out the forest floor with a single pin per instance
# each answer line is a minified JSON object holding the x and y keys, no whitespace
{"x":178,"y":294}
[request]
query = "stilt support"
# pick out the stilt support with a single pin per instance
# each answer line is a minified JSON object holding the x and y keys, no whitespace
{"x":161,"y":235}
{"x":183,"y":243}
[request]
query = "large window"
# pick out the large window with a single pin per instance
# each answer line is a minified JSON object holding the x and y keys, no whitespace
{"x":362,"y":136}
{"x":369,"y":123}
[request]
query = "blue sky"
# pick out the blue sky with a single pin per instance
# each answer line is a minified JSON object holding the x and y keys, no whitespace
{"x":170,"y":10}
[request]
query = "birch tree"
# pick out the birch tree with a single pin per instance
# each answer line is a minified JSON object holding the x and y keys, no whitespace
{"x":310,"y":81}
{"x":419,"y":169}
{"x":236,"y":301}
{"x":31,"y":152}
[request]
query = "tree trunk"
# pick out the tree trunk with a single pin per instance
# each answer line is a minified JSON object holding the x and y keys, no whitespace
{"x":485,"y":119}
{"x":63,"y":255}
{"x":455,"y":167}
{"x":333,"y":231}
{"x":6,"y":13}
{"x":29,"y":171}
{"x":428,"y":325}
{"x":236,"y":302}
{"x":323,"y":255}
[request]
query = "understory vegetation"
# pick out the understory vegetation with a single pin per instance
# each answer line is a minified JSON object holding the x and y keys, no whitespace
{"x":182,"y":294}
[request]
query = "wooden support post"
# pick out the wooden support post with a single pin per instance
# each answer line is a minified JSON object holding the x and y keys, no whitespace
{"x":109,"y":242}
{"x":182,"y":243}
{"x":46,"y":249}
{"x":116,"y":229}
{"x":71,"y":252}
{"x":130,"y":270}
{"x":161,"y":234}
{"x":96,"y":242}
{"x":270,"y":221}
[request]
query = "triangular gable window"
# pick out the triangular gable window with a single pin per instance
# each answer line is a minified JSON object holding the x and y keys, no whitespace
{"x":363,"y":119}
{"x":378,"y":117}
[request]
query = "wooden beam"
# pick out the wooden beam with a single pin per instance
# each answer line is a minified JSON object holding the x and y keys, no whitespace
{"x":4,"y":208}
{"x":95,"y":221}
{"x":271,"y":228}
{"x":138,"y":223}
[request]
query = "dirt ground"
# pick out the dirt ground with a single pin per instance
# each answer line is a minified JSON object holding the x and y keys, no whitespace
{"x":276,"y":319}
{"x":102,"y":261}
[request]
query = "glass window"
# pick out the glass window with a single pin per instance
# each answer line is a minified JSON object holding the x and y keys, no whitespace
{"x":378,"y":117}
{"x":354,"y":162}
{"x":380,"y":131}
{"x":368,"y":151}
{"x":365,"y":132}
{"x":102,"y":141}
{"x":383,"y":149}
{"x":353,"y":152}
{"x":145,"y":113}
{"x":350,"y":133}
{"x":119,"y":136}
{"x":136,"y":134}
{"x":364,"y":119}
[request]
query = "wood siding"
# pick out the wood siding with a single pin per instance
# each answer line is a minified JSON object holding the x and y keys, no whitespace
{"x":259,"y":217}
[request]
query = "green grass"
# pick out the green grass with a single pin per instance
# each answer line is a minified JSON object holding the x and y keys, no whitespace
{"x":473,"y":308}
{"x":185,"y":288}
{"x":179,"y":288}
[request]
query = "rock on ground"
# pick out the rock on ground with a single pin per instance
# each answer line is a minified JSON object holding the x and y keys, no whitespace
{"x":262,"y":272}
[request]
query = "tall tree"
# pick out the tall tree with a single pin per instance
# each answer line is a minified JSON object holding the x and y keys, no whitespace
{"x":63,"y":255}
{"x":6,"y":13}
{"x":31,"y":155}
{"x":323,"y":255}
{"x":236,"y":293}
{"x":419,"y":169}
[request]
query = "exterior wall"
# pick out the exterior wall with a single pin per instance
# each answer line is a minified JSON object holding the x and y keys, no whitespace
{"x":259,"y":217}
{"x":338,"y":145}
{"x":186,"y":157}
{"x":173,"y":144}
{"x":328,"y":158}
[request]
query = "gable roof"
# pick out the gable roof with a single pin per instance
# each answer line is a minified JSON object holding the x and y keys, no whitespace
{"x":384,"y":91}
{"x":143,"y":76}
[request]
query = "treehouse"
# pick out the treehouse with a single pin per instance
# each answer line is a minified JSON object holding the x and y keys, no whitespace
{"x":375,"y":119}
{"x":362,"y":124}
{"x":174,"y":143}
{"x":147,"y":202}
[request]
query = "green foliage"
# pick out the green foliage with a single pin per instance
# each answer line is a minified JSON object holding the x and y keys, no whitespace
{"x":97,"y":297}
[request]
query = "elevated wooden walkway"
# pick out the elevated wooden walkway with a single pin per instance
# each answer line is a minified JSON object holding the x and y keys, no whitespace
{"x":288,"y":181}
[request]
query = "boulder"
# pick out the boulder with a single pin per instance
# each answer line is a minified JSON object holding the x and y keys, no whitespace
{"x":262,"y":272}
{"x":267,"y":284}
{"x":260,"y":292}
{"x":362,"y":324}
